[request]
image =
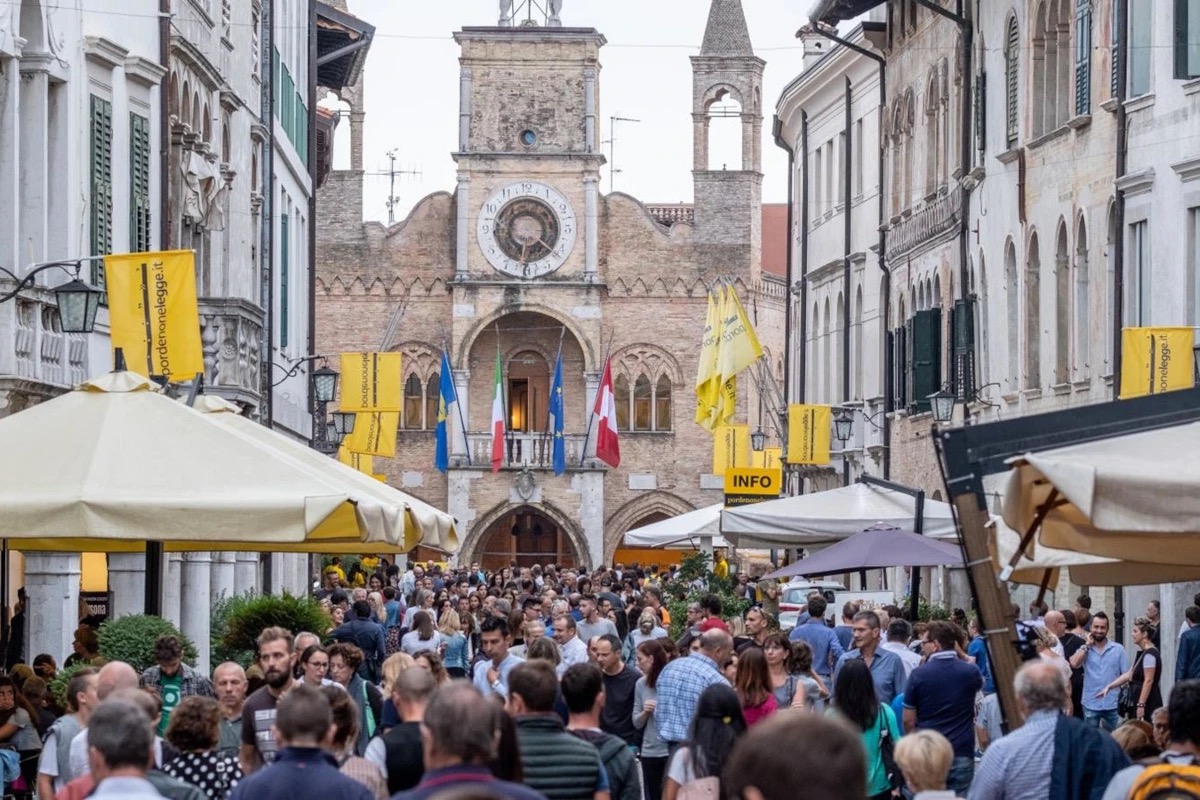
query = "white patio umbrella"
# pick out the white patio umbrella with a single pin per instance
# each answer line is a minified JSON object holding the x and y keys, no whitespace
{"x":1135,"y":497}
{"x":684,"y":530}
{"x":116,"y":463}
{"x":1084,"y":569}
{"x":829,"y":516}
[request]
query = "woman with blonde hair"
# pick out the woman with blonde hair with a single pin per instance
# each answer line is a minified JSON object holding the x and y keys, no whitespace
{"x":924,"y":757}
{"x":393,"y":665}
{"x":454,"y":644}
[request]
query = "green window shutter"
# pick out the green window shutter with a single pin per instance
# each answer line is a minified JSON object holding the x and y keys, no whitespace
{"x":139,"y":183}
{"x":101,"y":180}
{"x":284,"y":269}
{"x":907,"y":339}
{"x":963,"y":363}
{"x":898,"y":394}
{"x":926,"y":364}
{"x":981,"y":111}
{"x":1012,"y":52}
{"x":1083,"y":56}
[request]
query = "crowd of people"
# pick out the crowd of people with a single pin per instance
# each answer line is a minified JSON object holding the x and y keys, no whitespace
{"x":553,"y":683}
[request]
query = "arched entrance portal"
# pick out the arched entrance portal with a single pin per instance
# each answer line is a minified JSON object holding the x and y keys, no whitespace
{"x":527,"y":536}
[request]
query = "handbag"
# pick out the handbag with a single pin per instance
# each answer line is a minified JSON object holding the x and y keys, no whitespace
{"x":1127,"y":697}
{"x":887,"y":753}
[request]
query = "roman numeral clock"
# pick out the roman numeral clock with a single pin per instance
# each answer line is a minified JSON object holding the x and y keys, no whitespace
{"x":526,"y":229}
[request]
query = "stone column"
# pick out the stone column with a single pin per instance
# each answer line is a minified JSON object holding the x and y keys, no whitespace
{"x":222,"y":581}
{"x":172,"y":599}
{"x":34,"y":122}
{"x":10,"y":160}
{"x":127,"y":581}
{"x":1173,"y":599}
{"x":463,"y":230}
{"x":591,"y":247}
{"x":245,"y":572}
{"x":464,"y":110}
{"x":591,"y":515}
{"x":195,"y":613}
{"x":462,"y":388}
{"x":52,"y":609}
{"x":589,"y":109}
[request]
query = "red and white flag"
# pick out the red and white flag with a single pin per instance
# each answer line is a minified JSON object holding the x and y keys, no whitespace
{"x":608,"y":447}
{"x":498,"y":418}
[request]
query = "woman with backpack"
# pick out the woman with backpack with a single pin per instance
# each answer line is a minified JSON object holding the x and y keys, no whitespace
{"x":855,"y":699}
{"x":694,"y":772}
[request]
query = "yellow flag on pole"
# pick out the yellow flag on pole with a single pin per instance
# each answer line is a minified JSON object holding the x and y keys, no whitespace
{"x":809,"y":429}
{"x":153,"y":313}
{"x":731,"y":447}
{"x":706,"y":374}
{"x":739,"y":349}
{"x":371,"y":382}
{"x":374,"y":433}
{"x":1156,"y":360}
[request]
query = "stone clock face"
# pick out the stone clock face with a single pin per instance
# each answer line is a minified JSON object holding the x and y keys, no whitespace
{"x":526,"y":229}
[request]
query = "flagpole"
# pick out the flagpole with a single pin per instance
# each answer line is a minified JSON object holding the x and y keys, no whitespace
{"x":587,"y":436}
{"x":561,"y":334}
{"x":461,"y":420}
{"x":505,"y":450}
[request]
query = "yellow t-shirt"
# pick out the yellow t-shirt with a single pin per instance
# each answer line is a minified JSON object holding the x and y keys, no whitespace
{"x":721,"y":569}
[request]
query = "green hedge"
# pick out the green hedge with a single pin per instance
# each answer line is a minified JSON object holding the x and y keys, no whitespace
{"x":679,"y":593}
{"x":131,"y":639}
{"x":245,"y":616}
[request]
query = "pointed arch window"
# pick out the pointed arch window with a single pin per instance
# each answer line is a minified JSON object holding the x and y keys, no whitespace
{"x":662,"y":404}
{"x":414,"y":401}
{"x":621,"y":396}
{"x":642,"y":403}
{"x":432,"y":396}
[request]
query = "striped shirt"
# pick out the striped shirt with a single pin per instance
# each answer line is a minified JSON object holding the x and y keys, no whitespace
{"x":1018,"y":765}
{"x":680,"y":685}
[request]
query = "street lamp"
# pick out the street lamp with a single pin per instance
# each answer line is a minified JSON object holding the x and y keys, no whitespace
{"x":758,"y":441}
{"x":942,"y":404}
{"x":77,"y":302}
{"x":843,"y":422}
{"x":324,"y":383}
{"x":343,"y":423}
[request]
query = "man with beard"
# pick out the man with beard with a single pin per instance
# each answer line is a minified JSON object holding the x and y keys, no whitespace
{"x":1103,"y":661}
{"x":258,"y":713}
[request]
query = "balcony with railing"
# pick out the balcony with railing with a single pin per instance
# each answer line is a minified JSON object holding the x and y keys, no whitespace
{"x":534,"y":450}
{"x":43,"y":359}
{"x":935,"y":218}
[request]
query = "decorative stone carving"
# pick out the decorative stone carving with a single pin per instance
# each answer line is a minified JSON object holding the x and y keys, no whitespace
{"x":230,"y":334}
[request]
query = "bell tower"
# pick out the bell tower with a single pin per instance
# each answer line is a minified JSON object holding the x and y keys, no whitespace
{"x":727,"y":81}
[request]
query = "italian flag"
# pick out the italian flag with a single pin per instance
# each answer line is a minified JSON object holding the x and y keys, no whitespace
{"x":498,"y":418}
{"x":608,"y":448}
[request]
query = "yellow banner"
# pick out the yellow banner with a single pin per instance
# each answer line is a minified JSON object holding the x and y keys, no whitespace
{"x":706,"y":374}
{"x":809,"y":434}
{"x":769,"y":458}
{"x":731,"y":447}
{"x":363,"y":462}
{"x":374,"y":433}
{"x":739,"y":349}
{"x":153,"y":313}
{"x":1156,"y":360}
{"x":371,"y":382}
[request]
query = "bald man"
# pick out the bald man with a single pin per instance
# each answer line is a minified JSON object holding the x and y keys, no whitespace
{"x":114,"y":675}
{"x":229,"y":681}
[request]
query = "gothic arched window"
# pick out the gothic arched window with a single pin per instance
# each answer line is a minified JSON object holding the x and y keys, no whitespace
{"x":643,"y":399}
{"x":432,"y":391}
{"x":621,"y":396}
{"x":413,"y":401}
{"x":662,"y":404}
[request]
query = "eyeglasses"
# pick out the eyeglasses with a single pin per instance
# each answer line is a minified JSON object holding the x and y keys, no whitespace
{"x":319,"y":664}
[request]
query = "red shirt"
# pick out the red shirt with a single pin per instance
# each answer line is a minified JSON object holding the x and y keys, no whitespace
{"x":713,"y":622}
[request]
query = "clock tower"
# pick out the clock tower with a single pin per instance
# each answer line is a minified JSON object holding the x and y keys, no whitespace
{"x":528,"y":156}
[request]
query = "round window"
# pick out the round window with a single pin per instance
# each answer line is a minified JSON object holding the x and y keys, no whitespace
{"x":528,"y":138}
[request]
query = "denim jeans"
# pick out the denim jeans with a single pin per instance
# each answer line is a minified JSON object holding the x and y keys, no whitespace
{"x":962,"y":772}
{"x":1104,"y":720}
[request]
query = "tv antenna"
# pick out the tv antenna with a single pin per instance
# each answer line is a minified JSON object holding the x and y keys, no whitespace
{"x":392,"y":172}
{"x":611,"y":141}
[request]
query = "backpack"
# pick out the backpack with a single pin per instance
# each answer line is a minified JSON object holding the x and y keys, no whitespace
{"x":1168,"y":781}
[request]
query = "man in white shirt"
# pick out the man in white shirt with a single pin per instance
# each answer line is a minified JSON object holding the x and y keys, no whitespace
{"x":899,"y":632}
{"x":572,"y":648}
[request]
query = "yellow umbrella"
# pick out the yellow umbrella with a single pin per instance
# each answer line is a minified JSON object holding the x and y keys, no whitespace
{"x":115,"y":463}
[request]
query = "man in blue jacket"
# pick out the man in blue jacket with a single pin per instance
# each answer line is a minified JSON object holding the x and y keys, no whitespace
{"x":301,"y":768}
{"x":1187,"y":662}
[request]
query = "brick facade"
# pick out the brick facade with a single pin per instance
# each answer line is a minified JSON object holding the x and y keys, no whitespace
{"x":631,"y":285}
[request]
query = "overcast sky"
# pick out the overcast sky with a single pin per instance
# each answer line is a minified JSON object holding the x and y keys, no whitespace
{"x":412,"y":90}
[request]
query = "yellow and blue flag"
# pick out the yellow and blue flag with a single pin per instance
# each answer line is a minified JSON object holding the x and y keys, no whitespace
{"x":556,"y":412}
{"x":446,"y":398}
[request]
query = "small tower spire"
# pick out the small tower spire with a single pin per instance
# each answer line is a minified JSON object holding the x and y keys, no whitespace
{"x":726,"y":33}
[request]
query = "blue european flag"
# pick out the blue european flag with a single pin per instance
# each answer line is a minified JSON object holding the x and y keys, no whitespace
{"x":446,"y":398}
{"x":556,"y":411}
